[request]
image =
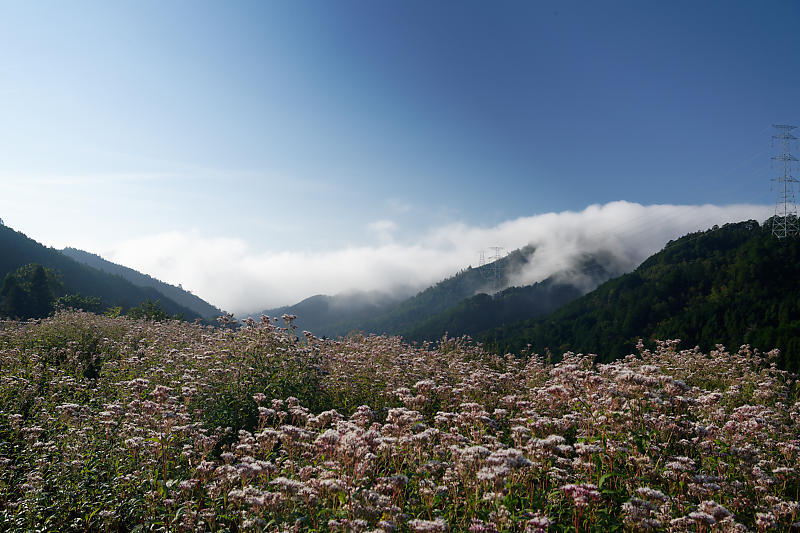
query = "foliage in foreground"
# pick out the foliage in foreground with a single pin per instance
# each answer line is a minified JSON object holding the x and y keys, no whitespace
{"x":114,"y":424}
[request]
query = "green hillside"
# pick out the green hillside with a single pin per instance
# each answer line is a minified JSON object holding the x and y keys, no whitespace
{"x":176,"y":294}
{"x":483,"y":311}
{"x":459,"y":305}
{"x":475,"y":314}
{"x":453,"y":305}
{"x":17,"y":250}
{"x":342,"y":314}
{"x":334,"y":316}
{"x":732,"y":285}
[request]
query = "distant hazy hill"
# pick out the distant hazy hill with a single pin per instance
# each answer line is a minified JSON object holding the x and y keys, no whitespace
{"x":466,"y":305}
{"x":369,"y":312}
{"x":16,"y":250}
{"x":446,"y":294}
{"x":478,"y":313}
{"x":731,"y":285}
{"x":459,"y":305}
{"x":176,"y":294}
{"x":335,"y":315}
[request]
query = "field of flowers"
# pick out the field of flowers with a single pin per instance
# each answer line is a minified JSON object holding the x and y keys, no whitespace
{"x":113,"y":424}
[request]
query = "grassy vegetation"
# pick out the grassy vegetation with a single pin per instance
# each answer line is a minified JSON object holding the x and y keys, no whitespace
{"x":116,"y":424}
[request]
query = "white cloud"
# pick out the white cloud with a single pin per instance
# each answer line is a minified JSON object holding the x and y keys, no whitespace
{"x":229,"y":273}
{"x":399,"y":206}
{"x":383,"y":230}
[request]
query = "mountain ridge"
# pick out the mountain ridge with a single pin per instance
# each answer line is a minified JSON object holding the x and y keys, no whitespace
{"x":462,"y":304}
{"x":18,"y":250}
{"x":176,"y":294}
{"x":733,"y":285}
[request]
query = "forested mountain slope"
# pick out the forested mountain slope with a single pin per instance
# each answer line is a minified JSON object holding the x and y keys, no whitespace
{"x":447,"y":294}
{"x":339,"y":315}
{"x":514,"y":304}
{"x":483,"y":311}
{"x":732,"y":285}
{"x":463,"y":304}
{"x":16,"y":250}
{"x":176,"y":294}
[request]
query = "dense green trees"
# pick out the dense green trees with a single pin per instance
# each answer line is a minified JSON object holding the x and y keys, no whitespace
{"x":458,"y":305}
{"x":30,"y":292}
{"x":91,"y":304}
{"x":732,"y":285}
{"x":149,"y":310}
{"x":17,"y":250}
{"x":35,"y":291}
{"x":176,"y":294}
{"x":482,"y":311}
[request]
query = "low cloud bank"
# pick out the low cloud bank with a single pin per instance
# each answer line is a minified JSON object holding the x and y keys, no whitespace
{"x":230,"y":274}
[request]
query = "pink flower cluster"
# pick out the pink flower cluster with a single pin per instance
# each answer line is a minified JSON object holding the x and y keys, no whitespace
{"x":256,"y":430}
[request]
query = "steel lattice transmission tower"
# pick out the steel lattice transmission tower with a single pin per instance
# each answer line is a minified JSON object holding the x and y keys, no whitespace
{"x":493,"y":270}
{"x":784,"y":223}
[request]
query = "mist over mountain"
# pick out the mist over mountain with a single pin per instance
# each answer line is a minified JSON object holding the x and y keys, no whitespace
{"x":335,"y":315}
{"x":243,"y":278}
{"x":176,"y":294}
{"x":733,"y":285}
{"x":470,"y":301}
{"x":392,"y":312}
{"x":487,"y":310}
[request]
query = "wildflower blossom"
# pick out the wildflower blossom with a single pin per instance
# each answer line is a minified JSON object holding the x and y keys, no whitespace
{"x":473,"y":430}
{"x":428,"y":526}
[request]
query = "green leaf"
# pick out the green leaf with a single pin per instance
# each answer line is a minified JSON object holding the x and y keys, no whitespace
{"x":179,"y":513}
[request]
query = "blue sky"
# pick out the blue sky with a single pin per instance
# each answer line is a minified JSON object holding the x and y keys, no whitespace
{"x":313,"y":127}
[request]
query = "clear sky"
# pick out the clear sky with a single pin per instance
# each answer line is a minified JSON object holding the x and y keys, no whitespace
{"x":317,"y":127}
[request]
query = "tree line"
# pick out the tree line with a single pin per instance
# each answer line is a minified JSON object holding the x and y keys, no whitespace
{"x":731,"y":285}
{"x":36,"y":291}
